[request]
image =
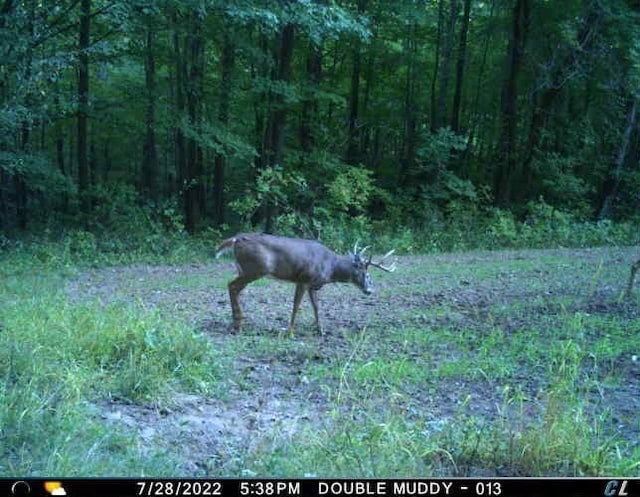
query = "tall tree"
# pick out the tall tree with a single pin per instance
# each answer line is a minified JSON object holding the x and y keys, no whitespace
{"x":460,"y":66}
{"x":194,"y":167}
{"x":308,"y":117}
{"x":179,"y":146}
{"x":27,"y":124}
{"x":83,"y":100}
{"x":475,"y":114}
{"x":611,"y":184}
{"x":410,"y":103}
{"x":445,"y":49}
{"x":150,"y":170}
{"x":565,"y":64}
{"x":188,"y":44}
{"x":6,"y":14}
{"x":227,"y":61}
{"x":353,"y":145}
{"x":508,"y":171}
{"x":277,"y":119}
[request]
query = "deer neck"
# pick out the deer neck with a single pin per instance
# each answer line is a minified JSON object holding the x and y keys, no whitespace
{"x":342,"y":269}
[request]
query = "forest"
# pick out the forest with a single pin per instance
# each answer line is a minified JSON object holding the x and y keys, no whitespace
{"x":320,"y":118}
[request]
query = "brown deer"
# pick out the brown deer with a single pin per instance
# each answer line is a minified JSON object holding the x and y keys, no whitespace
{"x":307,"y":263}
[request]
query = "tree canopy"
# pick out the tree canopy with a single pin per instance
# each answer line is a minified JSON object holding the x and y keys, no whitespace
{"x":295,"y":113}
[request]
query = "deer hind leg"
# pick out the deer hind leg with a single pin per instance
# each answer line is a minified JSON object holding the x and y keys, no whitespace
{"x":300,"y":289}
{"x":313,"y":296}
{"x":235,"y":287}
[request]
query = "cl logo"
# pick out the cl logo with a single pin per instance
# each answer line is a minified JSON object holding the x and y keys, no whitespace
{"x":615,"y":488}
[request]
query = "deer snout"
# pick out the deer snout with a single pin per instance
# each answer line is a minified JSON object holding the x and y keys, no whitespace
{"x":367,"y":286}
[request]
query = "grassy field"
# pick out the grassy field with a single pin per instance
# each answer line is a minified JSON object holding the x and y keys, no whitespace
{"x":470,"y":364}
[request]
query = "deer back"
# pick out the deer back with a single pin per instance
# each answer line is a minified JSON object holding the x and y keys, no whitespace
{"x":291,"y":259}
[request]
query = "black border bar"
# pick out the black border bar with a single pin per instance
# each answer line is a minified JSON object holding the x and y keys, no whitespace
{"x":321,"y":487}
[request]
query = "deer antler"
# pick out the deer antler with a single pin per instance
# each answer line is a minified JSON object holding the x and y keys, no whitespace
{"x":388,"y":268}
{"x":361,"y":252}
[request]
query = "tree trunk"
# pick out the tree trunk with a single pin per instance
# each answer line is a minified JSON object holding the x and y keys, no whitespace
{"x":475,"y":119}
{"x":59,"y":130}
{"x":310,"y":104}
{"x":220,"y":160}
{"x":460,"y":65}
{"x":508,"y":173}
{"x":20,"y":184}
{"x":612,"y":183}
{"x":353,"y":149}
{"x":367,"y":133}
{"x":261,"y":106}
{"x":93,"y":159}
{"x":83,"y":103}
{"x":194,"y":186}
{"x":308,"y":119}
{"x":60,"y":152}
{"x":446,"y":55}
{"x":182,"y":174}
{"x":278,"y":114}
{"x":106,"y":156}
{"x":20,"y":187}
{"x":150,"y":174}
{"x":354,"y":100}
{"x":4,"y":205}
{"x":5,"y":12}
{"x":410,"y":110}
{"x":435,"y":118}
{"x":560,"y":74}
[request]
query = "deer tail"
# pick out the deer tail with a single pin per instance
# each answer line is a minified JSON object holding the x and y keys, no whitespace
{"x":225,"y":246}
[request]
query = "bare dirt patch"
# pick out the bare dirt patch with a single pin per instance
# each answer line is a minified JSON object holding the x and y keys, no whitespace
{"x":271,"y":399}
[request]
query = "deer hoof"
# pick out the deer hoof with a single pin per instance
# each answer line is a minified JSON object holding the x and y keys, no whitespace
{"x":235,"y":327}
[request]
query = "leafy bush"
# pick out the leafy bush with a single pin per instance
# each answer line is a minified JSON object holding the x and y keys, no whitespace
{"x":350,"y":191}
{"x":119,"y":222}
{"x":560,"y":184}
{"x":273,"y":185}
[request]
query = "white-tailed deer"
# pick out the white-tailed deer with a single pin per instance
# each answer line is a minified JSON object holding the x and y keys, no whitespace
{"x":307,"y":263}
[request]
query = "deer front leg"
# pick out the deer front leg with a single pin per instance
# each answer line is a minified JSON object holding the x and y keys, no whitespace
{"x":313,"y":296}
{"x":300,"y":289}
{"x":235,"y":287}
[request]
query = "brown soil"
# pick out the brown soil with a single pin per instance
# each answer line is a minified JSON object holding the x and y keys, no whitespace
{"x":271,"y":399}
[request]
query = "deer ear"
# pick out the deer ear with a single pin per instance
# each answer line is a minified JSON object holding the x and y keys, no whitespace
{"x":353,"y":257}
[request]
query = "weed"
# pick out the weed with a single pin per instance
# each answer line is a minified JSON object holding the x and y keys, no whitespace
{"x":57,"y":357}
{"x":476,"y":364}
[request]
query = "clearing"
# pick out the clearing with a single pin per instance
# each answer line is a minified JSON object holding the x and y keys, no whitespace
{"x":468,"y":362}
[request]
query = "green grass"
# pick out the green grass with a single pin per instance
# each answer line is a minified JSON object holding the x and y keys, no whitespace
{"x":543,"y":374}
{"x":58,"y":358}
{"x":379,"y":431}
{"x":510,"y":367}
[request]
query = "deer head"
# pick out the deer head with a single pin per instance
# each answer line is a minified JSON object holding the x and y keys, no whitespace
{"x":361,"y":277}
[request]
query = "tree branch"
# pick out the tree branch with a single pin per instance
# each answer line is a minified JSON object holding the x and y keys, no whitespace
{"x":40,"y":40}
